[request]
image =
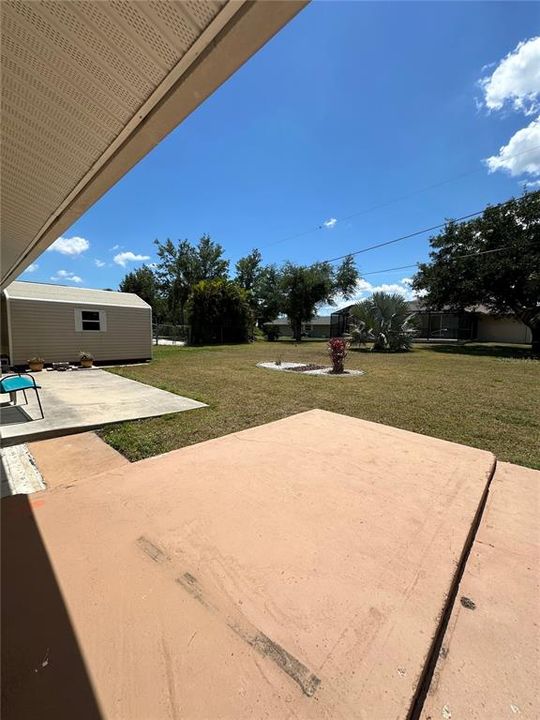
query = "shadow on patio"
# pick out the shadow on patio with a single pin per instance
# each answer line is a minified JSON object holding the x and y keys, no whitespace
{"x":43,"y":671}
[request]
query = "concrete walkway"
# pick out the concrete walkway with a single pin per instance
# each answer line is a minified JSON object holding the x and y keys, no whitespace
{"x":296,"y":570}
{"x":81,"y":400}
{"x":489,"y":661}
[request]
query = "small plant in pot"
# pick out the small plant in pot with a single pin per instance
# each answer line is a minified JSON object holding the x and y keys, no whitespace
{"x":36,"y":364}
{"x":86,"y":359}
{"x":337,"y":349}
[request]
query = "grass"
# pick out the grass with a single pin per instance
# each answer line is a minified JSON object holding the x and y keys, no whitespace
{"x":479,"y":395}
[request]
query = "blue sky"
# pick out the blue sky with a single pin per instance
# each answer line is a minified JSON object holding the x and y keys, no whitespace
{"x":352,"y":106}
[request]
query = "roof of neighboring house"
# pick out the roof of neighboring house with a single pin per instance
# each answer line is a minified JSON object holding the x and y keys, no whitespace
{"x":317,"y":320}
{"x":419,"y":305}
{"x":21,"y":290}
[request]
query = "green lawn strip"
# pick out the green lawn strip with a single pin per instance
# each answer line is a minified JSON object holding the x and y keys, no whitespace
{"x":478,"y":395}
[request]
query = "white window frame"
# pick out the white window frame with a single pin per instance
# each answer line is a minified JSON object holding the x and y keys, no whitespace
{"x":79,"y":320}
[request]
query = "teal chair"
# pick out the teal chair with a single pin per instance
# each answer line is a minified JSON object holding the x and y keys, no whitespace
{"x":21,"y":381}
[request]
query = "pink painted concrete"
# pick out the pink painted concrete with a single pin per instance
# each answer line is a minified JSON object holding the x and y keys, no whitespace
{"x":224,"y":579}
{"x":489,"y":667}
{"x":69,"y":459}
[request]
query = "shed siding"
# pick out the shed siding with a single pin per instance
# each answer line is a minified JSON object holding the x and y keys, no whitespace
{"x":505,"y":330}
{"x":47,"y":329}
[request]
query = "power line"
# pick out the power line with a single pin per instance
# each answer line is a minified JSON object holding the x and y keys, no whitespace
{"x":455,"y":257}
{"x":417,"y":232}
{"x":394,"y":200}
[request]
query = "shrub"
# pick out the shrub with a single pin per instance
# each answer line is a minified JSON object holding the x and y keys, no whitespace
{"x":337,"y":349}
{"x":385,"y":319}
{"x":272,"y":332}
{"x":219,"y":312}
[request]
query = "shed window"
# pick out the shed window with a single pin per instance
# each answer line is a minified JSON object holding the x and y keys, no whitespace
{"x":90,"y":320}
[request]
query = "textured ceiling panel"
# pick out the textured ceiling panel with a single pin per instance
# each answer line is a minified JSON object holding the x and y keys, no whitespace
{"x":90,"y":86}
{"x":73,"y":75}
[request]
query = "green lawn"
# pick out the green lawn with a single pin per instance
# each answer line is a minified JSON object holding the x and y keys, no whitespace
{"x":483,"y":396}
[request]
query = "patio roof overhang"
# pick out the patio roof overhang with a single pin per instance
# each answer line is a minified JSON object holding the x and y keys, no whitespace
{"x":89,"y":88}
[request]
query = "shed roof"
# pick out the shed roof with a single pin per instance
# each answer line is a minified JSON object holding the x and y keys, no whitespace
{"x":21,"y":290}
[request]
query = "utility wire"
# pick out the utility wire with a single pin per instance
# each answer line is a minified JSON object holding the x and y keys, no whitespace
{"x":391,"y":202}
{"x":455,"y":257}
{"x":417,"y":232}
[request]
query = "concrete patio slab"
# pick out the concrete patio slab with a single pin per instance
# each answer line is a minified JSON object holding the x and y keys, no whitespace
{"x":489,"y":664}
{"x":86,"y":399}
{"x":67,"y":460}
{"x":298,"y":569}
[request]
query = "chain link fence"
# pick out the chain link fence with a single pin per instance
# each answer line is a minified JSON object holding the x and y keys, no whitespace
{"x":165,"y":334}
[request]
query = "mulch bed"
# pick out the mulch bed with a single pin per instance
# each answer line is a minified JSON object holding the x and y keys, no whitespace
{"x":305,"y":368}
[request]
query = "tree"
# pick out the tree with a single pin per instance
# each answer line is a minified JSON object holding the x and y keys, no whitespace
{"x":506,"y":278}
{"x":219,"y":312}
{"x":143,"y":283}
{"x":386,"y":320}
{"x":210,"y":264}
{"x":249,"y":270}
{"x":263,"y":286}
{"x":306,"y":287}
{"x":270,"y":298}
{"x":182,"y":266}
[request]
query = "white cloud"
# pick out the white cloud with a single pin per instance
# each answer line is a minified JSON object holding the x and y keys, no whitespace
{"x":521,"y":154}
{"x":531,"y":185}
{"x":70,"y":246}
{"x":364,"y":289}
{"x":99,"y":263}
{"x":67,"y":276}
{"x":32,"y":268}
{"x":330,"y":223}
{"x":515,"y":80}
{"x":115,"y":247}
{"x":124,"y":257}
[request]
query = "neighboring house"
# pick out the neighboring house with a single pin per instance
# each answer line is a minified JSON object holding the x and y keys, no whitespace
{"x":57,"y":323}
{"x":477,"y":323}
{"x":317,"y":327}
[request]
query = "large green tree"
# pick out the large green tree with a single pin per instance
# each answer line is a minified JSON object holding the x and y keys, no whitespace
{"x":183,"y":265}
{"x":305,"y":287}
{"x":219,"y":312}
{"x":262,"y":283}
{"x":143,"y":283}
{"x":248,"y":270}
{"x":502,"y":267}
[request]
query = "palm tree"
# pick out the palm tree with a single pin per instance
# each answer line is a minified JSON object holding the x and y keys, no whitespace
{"x":385,"y":320}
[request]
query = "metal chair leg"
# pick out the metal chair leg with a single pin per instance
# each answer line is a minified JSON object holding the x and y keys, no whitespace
{"x":39,"y":403}
{"x":25,"y":398}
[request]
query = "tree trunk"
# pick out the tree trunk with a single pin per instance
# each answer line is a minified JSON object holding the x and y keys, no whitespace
{"x":296,"y":326}
{"x":535,"y":347}
{"x":531,"y":318}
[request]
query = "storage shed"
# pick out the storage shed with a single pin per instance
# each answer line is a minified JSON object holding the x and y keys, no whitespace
{"x":56,"y":323}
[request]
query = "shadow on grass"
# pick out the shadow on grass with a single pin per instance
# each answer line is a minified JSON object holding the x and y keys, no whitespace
{"x":473,"y":350}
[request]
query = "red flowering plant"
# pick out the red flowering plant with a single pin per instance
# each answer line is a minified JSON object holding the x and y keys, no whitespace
{"x":337,"y":349}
